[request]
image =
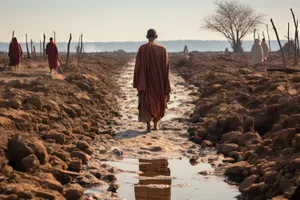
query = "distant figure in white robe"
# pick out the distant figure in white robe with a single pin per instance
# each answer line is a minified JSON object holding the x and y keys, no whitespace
{"x":186,"y":52}
{"x":265,"y":49}
{"x":257,"y":53}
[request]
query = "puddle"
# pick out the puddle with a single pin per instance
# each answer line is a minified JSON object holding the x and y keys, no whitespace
{"x":174,"y":179}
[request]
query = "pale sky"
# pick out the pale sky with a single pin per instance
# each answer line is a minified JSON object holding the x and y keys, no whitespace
{"x":124,"y":20}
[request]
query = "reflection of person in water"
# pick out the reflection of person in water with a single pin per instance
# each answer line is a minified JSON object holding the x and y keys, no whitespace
{"x":150,"y":186}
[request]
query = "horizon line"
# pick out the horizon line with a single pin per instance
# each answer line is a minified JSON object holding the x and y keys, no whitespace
{"x":139,"y":41}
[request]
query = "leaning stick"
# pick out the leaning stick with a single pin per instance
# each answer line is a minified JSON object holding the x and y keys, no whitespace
{"x":13,"y":35}
{"x":269,"y":40}
{"x":68,"y":53}
{"x":278,"y":40}
{"x":28,"y":54}
{"x":296,"y":38}
{"x":44,"y":45}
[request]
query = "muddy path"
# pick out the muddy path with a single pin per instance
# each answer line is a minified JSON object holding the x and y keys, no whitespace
{"x":166,"y":153}
{"x":171,"y":140}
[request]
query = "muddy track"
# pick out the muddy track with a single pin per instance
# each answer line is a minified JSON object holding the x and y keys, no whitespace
{"x":130,"y":142}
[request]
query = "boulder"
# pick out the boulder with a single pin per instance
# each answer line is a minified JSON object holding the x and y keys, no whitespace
{"x":15,"y":103}
{"x":296,"y":141}
{"x":30,"y":162}
{"x":292,"y":165}
{"x":21,"y":146}
{"x":206,"y":143}
{"x":248,"y":182}
{"x":75,"y":165}
{"x":82,"y":145}
{"x":231,"y":137}
{"x":58,"y":137}
{"x":73,"y":192}
{"x":270,"y":177}
{"x":236,"y":169}
{"x":225,"y":149}
{"x":36,"y":101}
{"x":249,"y":138}
{"x":82,"y":156}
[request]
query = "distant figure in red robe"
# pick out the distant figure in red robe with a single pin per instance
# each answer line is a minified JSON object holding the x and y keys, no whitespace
{"x":151,"y":79}
{"x":52,"y":53}
{"x":15,"y":53}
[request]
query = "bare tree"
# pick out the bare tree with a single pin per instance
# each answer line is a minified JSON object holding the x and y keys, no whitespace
{"x":234,"y":21}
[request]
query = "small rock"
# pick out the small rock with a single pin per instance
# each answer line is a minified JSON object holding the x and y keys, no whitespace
{"x":194,"y":160}
{"x":231,"y":137}
{"x":73,"y":192}
{"x":270,"y":177}
{"x":227,"y":148}
{"x":236,"y":169}
{"x":82,"y":156}
{"x":75,"y":165}
{"x":118,"y":152}
{"x":58,"y":137}
{"x":113,"y":188}
{"x":248,"y":182}
{"x":207,"y":143}
{"x":156,"y":149}
{"x":82,"y":145}
{"x":30,"y":162}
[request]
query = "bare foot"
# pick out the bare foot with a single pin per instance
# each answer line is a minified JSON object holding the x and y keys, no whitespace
{"x":155,"y":126}
{"x":148,"y":127}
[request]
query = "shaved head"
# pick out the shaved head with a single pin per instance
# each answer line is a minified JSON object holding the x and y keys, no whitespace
{"x":151,"y":34}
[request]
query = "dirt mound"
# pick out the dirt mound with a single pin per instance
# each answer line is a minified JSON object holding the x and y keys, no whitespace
{"x":250,"y":115}
{"x":47,"y":123}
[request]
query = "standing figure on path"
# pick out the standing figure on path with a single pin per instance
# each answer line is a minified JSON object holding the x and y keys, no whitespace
{"x":265,"y":49}
{"x":151,"y":79}
{"x":15,"y":53}
{"x":186,"y":52}
{"x":257,"y":53}
{"x":52,"y":53}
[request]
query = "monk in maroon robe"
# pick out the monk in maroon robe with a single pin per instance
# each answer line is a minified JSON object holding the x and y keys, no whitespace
{"x":151,"y":79}
{"x":52,"y":53}
{"x":15,"y":53}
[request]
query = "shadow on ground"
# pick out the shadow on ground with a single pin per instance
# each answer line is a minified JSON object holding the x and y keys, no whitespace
{"x":129,"y":134}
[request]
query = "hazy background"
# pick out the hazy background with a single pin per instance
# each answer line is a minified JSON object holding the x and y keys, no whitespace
{"x":120,"y":20}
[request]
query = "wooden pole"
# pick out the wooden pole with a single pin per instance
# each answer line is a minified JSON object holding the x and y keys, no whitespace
{"x":68,"y":52}
{"x":78,"y":47}
{"x":81,"y":45}
{"x":296,"y":38}
{"x":44,"y":45}
{"x":297,"y":45}
{"x":54,"y":36}
{"x":31,"y":46}
{"x":28,"y":54}
{"x":278,"y":40}
{"x":34,"y":52}
{"x":41,"y":51}
{"x":13,"y":35}
{"x":288,"y":35}
{"x":267,"y":26}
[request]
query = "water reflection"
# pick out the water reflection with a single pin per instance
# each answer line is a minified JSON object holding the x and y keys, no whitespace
{"x":155,"y":181}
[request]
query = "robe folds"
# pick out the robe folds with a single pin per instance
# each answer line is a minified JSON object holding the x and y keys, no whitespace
{"x":52,"y":52}
{"x":15,"y":53}
{"x":151,"y":79}
{"x":257,"y":53}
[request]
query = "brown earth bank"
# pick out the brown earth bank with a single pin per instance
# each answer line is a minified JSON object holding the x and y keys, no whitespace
{"x":250,"y":115}
{"x":47,"y":123}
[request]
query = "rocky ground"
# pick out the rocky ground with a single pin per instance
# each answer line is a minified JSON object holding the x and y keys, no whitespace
{"x":47,"y":123}
{"x":250,"y":115}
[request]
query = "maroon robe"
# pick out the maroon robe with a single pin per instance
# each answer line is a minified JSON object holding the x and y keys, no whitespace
{"x":52,"y":52}
{"x":15,"y":53}
{"x":151,"y":79}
